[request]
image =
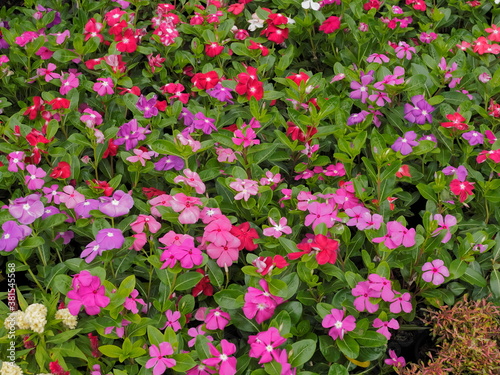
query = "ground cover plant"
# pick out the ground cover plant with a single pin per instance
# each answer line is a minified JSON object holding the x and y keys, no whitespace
{"x":254,"y":187}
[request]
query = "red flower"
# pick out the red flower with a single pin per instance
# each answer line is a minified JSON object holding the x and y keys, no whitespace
{"x":324,"y":247}
{"x":205,"y":81}
{"x":36,"y":108}
{"x":126,"y":41}
{"x":299,"y":77}
{"x":461,"y":188}
{"x":372,"y":4}
{"x":457,"y":122}
{"x":275,"y":34}
{"x":330,"y":25}
{"x":152,"y":192}
{"x":246,"y":235}
{"x":101,"y":185}
{"x":494,"y":109}
{"x":404,"y":171}
{"x":481,"y":45}
{"x":117,"y":28}
{"x":266,"y":264}
{"x":90,"y":64}
{"x":263,"y":50}
{"x":161,"y":105}
{"x":94,"y":345}
{"x":133,"y":90}
{"x":113,"y":16}
{"x":56,"y":369}
{"x":63,"y":170}
{"x":294,"y":132}
{"x":236,"y":8}
{"x":249,"y":85}
{"x":276,"y":19}
{"x":493,"y":155}
{"x":35,"y":137}
{"x":213,"y":49}
{"x":93,"y":28}
{"x":204,"y":286}
{"x":112,"y":149}
{"x":59,"y":103}
{"x":494,"y":32}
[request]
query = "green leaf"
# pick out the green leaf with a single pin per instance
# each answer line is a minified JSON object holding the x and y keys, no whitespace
{"x":183,"y":362}
{"x":112,"y":351}
{"x":155,"y":336}
{"x":165,"y":147}
{"x":474,"y":277}
{"x":64,"y":336}
{"x":348,"y":346}
{"x":336,"y":369}
{"x":126,"y":286}
{"x":301,"y":352}
{"x":229,"y":299}
{"x":63,"y":55}
{"x":188,"y":280}
{"x":495,"y":283}
{"x":372,"y":339}
{"x":427,"y":192}
{"x":201,"y":346}
{"x":457,"y":268}
{"x":272,"y":368}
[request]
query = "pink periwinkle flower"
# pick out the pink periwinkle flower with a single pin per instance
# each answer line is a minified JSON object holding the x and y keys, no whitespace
{"x":104,"y":86}
{"x":444,"y":224}
{"x":189,"y":207}
{"x":159,"y":361}
{"x":378,"y":58}
{"x":87,"y":292}
{"x":435,"y":272}
{"x":172,"y":320}
{"x":364,"y":292}
{"x":192,"y":179}
{"x":16,"y":161}
{"x":142,"y":220}
{"x":260,"y":303}
{"x":71,"y":197}
{"x":394,"y":360}
{"x":68,"y":83}
{"x":320,"y":213}
{"x":245,"y":188}
{"x":339,"y":325}
{"x":263,"y":345}
{"x":404,"y":50}
{"x":401,"y":302}
{"x":247,"y":137}
{"x":226,"y":252}
{"x":383,"y":326}
{"x":225,"y":155}
{"x":277,"y":229}
{"x":222,"y":359}
{"x":397,"y":235}
{"x":132,"y":301}
{"x":140,"y":156}
{"x":217,"y":319}
{"x":34,"y":178}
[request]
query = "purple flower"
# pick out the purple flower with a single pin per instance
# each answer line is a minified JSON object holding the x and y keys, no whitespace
{"x":110,"y":238}
{"x":361,"y":88}
{"x":147,"y":107}
{"x":405,"y":144}
{"x":12,"y":235}
{"x":26,"y":209}
{"x":83,"y":209}
{"x":357,"y":118}
{"x":117,"y":205}
{"x":206,"y":124}
{"x":460,"y":172}
{"x":169,"y":162}
{"x":66,"y":236}
{"x":221,"y":93}
{"x":474,"y":137}
{"x":49,"y":211}
{"x":429,"y":137}
{"x":130,"y":134}
{"x":92,"y":250}
{"x":419,"y":112}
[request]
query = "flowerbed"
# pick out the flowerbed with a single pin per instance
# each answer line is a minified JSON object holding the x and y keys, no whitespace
{"x":261,"y":187}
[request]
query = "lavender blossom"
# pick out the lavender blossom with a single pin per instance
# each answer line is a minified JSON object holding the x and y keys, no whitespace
{"x":221,"y":93}
{"x":420,"y":112}
{"x":147,"y":107}
{"x":405,"y":144}
{"x":169,"y":162}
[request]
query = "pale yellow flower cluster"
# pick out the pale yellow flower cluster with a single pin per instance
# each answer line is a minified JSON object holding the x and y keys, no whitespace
{"x":34,"y":318}
{"x":9,"y":368}
{"x":68,"y":320}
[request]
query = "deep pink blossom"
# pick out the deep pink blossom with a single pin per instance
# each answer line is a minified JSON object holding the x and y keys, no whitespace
{"x":132,"y":301}
{"x":401,"y":302}
{"x":159,"y":361}
{"x":435,"y":272}
{"x":87,"y":292}
{"x":383,"y":326}
{"x":221,"y":359}
{"x":217,"y":319}
{"x":263,"y":345}
{"x":104,"y":86}
{"x":188,"y":206}
{"x":339,"y":325}
{"x":260,"y":304}
{"x":172,"y":320}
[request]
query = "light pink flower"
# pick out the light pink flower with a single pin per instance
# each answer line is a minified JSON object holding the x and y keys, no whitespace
{"x":192,"y":179}
{"x":70,"y":197}
{"x":449,"y":221}
{"x":245,"y":187}
{"x":277,"y":229}
{"x":140,"y":156}
{"x":225,"y":253}
{"x":189,"y":207}
{"x":138,"y":225}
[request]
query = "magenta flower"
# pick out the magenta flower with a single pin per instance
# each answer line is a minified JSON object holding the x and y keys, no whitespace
{"x":397,"y":235}
{"x":34,"y":180}
{"x":91,"y":118}
{"x":405,"y":144}
{"x":195,"y":332}
{"x":192,"y":179}
{"x":130,"y":134}
{"x":217,"y":319}
{"x":381,"y":285}
{"x":172,"y":320}
{"x":361,"y":88}
{"x":339,"y":325}
{"x":159,"y":361}
{"x":435,"y":272}
{"x":26,"y":209}
{"x":383,"y":327}
{"x":226,"y":365}
{"x":87,"y":292}
{"x":473,"y":137}
{"x":69,"y":83}
{"x":263,"y":344}
{"x":13,"y":233}
{"x":142,"y":220}
{"x":147,"y":107}
{"x":248,"y":137}
{"x":117,"y":205}
{"x":378,"y":58}
{"x":206,"y":124}
{"x":218,"y":230}
{"x":401,"y":302}
{"x":16,"y":161}
{"x":169,"y":162}
{"x":449,"y":221}
{"x":277,"y":229}
{"x":369,"y":221}
{"x":104,"y":86}
{"x":187,"y":254}
{"x":131,"y":302}
{"x":320,"y":213}
{"x":364,"y":292}
{"x":260,"y":304}
{"x":394,"y":360}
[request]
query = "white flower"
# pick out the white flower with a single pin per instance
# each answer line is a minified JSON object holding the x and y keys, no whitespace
{"x":36,"y":315}
{"x":255,"y":23}
{"x":309,"y":4}
{"x":68,"y":320}
{"x":8,"y":368}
